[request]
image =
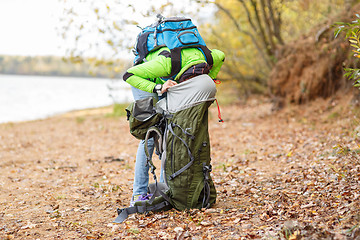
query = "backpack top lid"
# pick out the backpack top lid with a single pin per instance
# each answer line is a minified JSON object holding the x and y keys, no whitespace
{"x":173,"y":32}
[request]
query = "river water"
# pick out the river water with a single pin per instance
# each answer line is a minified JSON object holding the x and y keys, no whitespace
{"x":36,"y":97}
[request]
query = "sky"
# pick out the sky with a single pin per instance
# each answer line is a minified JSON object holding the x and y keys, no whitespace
{"x":28,"y":27}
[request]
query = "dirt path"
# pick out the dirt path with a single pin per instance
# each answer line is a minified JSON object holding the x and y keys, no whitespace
{"x":278,"y":176}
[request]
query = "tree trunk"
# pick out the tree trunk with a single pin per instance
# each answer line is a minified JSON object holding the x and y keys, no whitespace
{"x":275,"y":21}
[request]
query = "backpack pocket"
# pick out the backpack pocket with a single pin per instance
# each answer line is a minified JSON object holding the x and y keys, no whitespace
{"x":141,"y":115}
{"x":188,"y":38}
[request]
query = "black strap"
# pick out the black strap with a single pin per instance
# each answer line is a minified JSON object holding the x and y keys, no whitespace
{"x":165,"y":53}
{"x":127,"y":75}
{"x":141,"y":47}
{"x":175,"y":62}
{"x":206,"y":197}
{"x":125,"y":212}
{"x":172,"y":155}
{"x":176,"y":59}
{"x":208,"y":56}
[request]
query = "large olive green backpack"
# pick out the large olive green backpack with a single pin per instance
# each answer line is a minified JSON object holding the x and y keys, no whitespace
{"x":179,"y":124}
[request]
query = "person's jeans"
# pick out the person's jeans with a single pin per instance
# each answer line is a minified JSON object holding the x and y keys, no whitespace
{"x":141,"y":178}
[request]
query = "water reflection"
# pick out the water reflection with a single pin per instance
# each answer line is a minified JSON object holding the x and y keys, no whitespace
{"x":34,"y":97}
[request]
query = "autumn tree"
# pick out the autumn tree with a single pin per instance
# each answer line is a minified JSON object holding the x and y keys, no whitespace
{"x":102,"y":32}
{"x":250,"y":32}
{"x":352,"y":31}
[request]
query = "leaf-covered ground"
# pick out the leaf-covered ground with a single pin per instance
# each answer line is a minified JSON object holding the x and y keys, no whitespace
{"x":294,"y":174}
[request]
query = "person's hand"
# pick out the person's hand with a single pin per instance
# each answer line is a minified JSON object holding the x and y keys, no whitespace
{"x":167,"y":85}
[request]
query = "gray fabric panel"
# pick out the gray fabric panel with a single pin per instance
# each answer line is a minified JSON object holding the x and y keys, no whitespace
{"x":144,"y":109}
{"x":188,"y":94}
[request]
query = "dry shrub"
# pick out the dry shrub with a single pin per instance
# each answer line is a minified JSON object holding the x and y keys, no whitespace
{"x":312,"y":66}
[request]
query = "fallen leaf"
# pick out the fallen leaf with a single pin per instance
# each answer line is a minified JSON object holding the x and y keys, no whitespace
{"x":205,"y":223}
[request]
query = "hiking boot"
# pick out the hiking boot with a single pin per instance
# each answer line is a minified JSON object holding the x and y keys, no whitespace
{"x":140,"y":198}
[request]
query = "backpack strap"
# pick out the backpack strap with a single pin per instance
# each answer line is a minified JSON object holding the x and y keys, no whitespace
{"x":141,"y":47}
{"x":207,"y":53}
{"x":176,"y":59}
{"x":158,"y":139}
{"x":206,"y":172}
{"x":157,"y":190}
{"x":147,"y":207}
{"x":154,"y":132}
{"x":125,"y":212}
{"x":171,"y":177}
{"x":175,"y":62}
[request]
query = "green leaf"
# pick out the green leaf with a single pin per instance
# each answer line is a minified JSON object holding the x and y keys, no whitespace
{"x":354,"y":33}
{"x":337,"y":32}
{"x":354,"y":75}
{"x":348,"y":34}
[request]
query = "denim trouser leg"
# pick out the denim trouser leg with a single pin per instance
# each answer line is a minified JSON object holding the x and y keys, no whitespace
{"x":141,"y":178}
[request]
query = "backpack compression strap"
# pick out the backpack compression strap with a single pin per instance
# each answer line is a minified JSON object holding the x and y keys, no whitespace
{"x":154,"y":132}
{"x":170,"y":126}
{"x":176,"y":59}
{"x":157,"y":135}
{"x":164,"y":205}
{"x":206,"y":197}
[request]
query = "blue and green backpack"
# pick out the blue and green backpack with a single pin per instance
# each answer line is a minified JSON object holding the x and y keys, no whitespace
{"x":181,"y":134}
{"x":175,"y":33}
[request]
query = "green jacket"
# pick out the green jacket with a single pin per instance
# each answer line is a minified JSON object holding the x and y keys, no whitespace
{"x":158,"y":64}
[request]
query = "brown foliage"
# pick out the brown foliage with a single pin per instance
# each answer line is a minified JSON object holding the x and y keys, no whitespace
{"x":278,"y":176}
{"x":312,"y":66}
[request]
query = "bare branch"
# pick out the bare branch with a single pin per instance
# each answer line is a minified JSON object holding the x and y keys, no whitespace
{"x":248,"y":16}
{"x":276,"y":22}
{"x":261,"y":28}
{"x":268,"y":29}
{"x":253,"y":38}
